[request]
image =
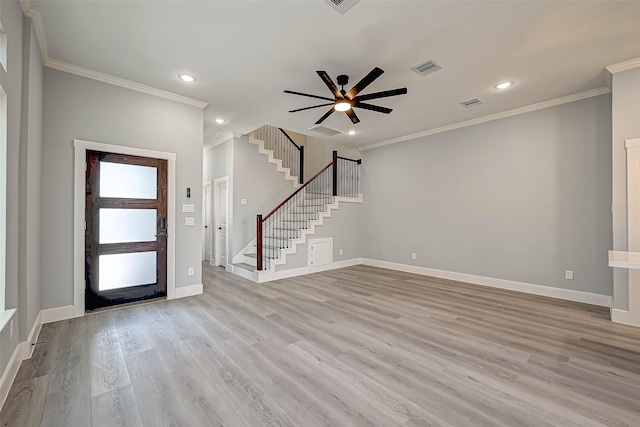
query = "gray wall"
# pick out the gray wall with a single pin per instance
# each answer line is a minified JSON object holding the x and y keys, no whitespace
{"x":23,"y":85}
{"x":626,"y":125}
{"x":522,"y":198}
{"x":258,"y":181}
{"x":318,"y":154}
{"x":80,"y":108}
{"x":217,"y":161}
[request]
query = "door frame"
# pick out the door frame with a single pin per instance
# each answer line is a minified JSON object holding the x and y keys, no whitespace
{"x":80,"y":148}
{"x":216,"y":223}
{"x":208,"y":184}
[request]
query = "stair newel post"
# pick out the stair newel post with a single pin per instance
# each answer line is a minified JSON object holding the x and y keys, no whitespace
{"x":300,"y":178}
{"x":335,"y":173}
{"x":259,"y":242}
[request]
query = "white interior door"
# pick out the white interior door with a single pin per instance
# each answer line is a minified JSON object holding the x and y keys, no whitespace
{"x":221,"y":203}
{"x":207,"y":235}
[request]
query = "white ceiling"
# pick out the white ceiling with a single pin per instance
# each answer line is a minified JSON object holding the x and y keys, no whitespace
{"x":245,"y":53}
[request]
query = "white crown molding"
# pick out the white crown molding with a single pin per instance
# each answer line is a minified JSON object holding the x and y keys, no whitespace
{"x":624,"y":66}
{"x":489,"y":118}
{"x":212,"y":144}
{"x":117,"y":81}
{"x":33,"y":12}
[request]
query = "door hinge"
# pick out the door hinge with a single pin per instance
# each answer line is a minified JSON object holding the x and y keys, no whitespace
{"x":85,"y":166}
{"x":85,"y":225}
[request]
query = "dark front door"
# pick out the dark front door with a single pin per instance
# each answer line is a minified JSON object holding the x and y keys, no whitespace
{"x":126,"y":229}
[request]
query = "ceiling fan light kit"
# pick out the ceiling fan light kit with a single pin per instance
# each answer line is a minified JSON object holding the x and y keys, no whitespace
{"x":346,"y":101}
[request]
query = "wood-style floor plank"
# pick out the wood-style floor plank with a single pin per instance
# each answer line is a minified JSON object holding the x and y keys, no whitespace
{"x":359,"y":346}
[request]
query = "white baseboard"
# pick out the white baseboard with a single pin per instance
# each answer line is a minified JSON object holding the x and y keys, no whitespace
{"x":267,"y":275}
{"x":188,"y":291}
{"x":58,"y":313}
{"x":547,"y":291}
{"x":11,"y":371}
{"x":24,"y":349}
{"x":623,"y":316}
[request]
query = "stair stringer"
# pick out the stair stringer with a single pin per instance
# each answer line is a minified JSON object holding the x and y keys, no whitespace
{"x":278,"y":162}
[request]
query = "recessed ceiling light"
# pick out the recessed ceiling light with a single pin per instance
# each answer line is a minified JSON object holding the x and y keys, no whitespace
{"x":343,"y":106}
{"x":352,"y":132}
{"x":504,"y":85}
{"x":220,"y":121}
{"x":187,"y":78}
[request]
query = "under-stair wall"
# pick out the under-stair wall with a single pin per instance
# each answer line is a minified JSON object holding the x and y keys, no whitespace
{"x":343,"y":227}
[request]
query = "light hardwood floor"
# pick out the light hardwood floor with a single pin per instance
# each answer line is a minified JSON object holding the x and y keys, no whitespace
{"x":359,"y":346}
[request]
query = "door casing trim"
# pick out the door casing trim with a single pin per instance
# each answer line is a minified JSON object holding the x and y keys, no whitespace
{"x":81,"y":147}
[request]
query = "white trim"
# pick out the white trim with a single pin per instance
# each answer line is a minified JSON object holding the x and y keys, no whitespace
{"x":225,"y":138}
{"x":34,"y":13}
{"x":10,"y":372}
{"x":118,"y":81}
{"x":632,"y":143}
{"x":6,"y":316}
{"x":621,"y":316}
{"x":489,"y":118}
{"x":624,"y":259}
{"x":188,"y":291}
{"x":268,"y":275}
{"x":271,"y":158}
{"x":547,"y":291}
{"x":81,"y":148}
{"x":624,"y":66}
{"x":59,"y":313}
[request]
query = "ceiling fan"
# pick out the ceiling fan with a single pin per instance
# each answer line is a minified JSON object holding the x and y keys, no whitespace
{"x":346,"y":101}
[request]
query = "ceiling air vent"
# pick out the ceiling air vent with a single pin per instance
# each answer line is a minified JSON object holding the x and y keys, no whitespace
{"x":427,"y":67}
{"x":471,"y":103}
{"x":325,"y":130}
{"x":342,"y":5}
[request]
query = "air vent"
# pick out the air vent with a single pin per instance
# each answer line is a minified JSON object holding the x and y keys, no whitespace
{"x":471,"y":103}
{"x":427,"y":67}
{"x":342,"y":5}
{"x":325,"y":130}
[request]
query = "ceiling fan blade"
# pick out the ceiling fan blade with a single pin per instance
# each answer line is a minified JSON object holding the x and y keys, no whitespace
{"x":366,"y":81}
{"x":384,"y":94}
{"x":309,"y":108}
{"x":330,"y":84}
{"x":322,"y":119}
{"x":373,"y":108}
{"x":352,"y":115}
{"x":310,"y":96}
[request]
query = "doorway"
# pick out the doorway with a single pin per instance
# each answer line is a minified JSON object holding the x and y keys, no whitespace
{"x":221,"y":214}
{"x":207,"y":236}
{"x":125,"y":229}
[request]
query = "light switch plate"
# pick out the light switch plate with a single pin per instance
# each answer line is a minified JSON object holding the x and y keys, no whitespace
{"x":190,"y":221}
{"x":188,"y":208}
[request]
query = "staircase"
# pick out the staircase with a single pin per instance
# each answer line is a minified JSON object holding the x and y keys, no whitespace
{"x":282,"y":151}
{"x":288,"y":225}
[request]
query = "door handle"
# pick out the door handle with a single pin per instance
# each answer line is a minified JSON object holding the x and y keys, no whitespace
{"x":219,"y":228}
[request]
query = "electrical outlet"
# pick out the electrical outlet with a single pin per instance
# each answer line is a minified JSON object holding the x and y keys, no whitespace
{"x":190,"y":221}
{"x":243,"y":201}
{"x":340,"y":251}
{"x":10,"y":328}
{"x":568,"y":275}
{"x":191,"y":271}
{"x":413,"y":255}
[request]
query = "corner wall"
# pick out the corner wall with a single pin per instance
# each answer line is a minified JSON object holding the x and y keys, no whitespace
{"x":521,"y":199}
